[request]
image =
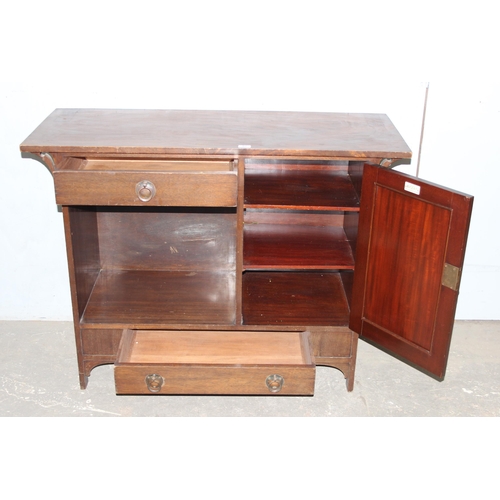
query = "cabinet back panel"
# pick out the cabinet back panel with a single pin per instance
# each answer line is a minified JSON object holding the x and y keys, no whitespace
{"x":294,"y":217}
{"x":167,"y":239}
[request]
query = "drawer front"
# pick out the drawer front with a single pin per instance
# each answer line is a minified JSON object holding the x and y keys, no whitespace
{"x":197,"y":379}
{"x":245,"y":363}
{"x":189,"y":189}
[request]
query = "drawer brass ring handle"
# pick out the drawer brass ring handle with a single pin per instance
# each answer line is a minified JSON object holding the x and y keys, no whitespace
{"x":145,"y":190}
{"x":154,"y":382}
{"x":275,"y":383}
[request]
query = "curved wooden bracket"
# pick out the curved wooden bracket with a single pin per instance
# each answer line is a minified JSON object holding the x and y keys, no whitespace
{"x":391,"y":163}
{"x":48,"y":161}
{"x":44,"y":158}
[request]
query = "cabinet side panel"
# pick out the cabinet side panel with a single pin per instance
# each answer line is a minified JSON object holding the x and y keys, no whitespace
{"x":355,"y":170}
{"x":351,"y":220}
{"x":100,"y":342}
{"x":82,"y":245}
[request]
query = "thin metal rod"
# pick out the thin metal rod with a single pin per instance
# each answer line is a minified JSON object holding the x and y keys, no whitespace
{"x":422,"y":130}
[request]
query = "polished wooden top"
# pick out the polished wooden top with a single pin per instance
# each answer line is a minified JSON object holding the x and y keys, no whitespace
{"x":110,"y":131}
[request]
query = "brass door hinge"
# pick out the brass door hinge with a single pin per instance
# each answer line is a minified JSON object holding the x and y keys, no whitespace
{"x":451,"y":276}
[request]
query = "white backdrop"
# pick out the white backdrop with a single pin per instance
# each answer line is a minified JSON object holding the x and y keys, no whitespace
{"x":308,"y":56}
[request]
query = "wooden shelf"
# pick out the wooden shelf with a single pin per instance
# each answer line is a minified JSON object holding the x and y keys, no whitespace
{"x":142,"y":299}
{"x":294,"y":298}
{"x":287,"y":246}
{"x":304,"y":189}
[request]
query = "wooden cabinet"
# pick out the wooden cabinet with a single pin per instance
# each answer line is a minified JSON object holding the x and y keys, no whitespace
{"x":231,"y":252}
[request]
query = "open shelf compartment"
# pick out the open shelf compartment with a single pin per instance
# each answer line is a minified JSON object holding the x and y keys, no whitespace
{"x":296,"y":298}
{"x":300,"y":185}
{"x":287,"y":246}
{"x":151,"y":267}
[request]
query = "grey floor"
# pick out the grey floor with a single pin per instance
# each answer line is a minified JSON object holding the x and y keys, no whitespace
{"x":38,"y":375}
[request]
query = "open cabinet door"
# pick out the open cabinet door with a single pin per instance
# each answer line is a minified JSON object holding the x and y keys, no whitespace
{"x":411,"y":246}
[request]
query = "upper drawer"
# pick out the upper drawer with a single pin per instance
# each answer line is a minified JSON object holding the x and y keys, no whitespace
{"x":147,"y":182}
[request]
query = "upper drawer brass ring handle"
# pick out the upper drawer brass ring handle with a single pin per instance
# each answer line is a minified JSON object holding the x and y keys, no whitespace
{"x":145,"y":190}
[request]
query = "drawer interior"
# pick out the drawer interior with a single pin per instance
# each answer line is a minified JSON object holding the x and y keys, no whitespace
{"x":215,"y":347}
{"x":150,"y":165}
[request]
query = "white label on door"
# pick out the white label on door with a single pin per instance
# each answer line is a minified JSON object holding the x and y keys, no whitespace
{"x":244,"y":146}
{"x":412,"y":188}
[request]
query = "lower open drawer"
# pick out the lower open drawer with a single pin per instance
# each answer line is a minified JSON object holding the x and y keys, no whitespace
{"x":214,"y":362}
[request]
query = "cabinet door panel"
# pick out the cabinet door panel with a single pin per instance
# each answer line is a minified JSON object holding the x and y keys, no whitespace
{"x":411,"y":246}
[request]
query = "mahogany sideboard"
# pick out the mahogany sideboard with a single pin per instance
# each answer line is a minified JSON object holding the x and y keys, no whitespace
{"x":231,"y":252}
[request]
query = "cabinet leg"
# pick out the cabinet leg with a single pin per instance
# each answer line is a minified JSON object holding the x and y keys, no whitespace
{"x":338,"y":349}
{"x":350,"y":381}
{"x":90,"y":363}
{"x":345,"y":365}
{"x":84,"y":380}
{"x":352,"y":365}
